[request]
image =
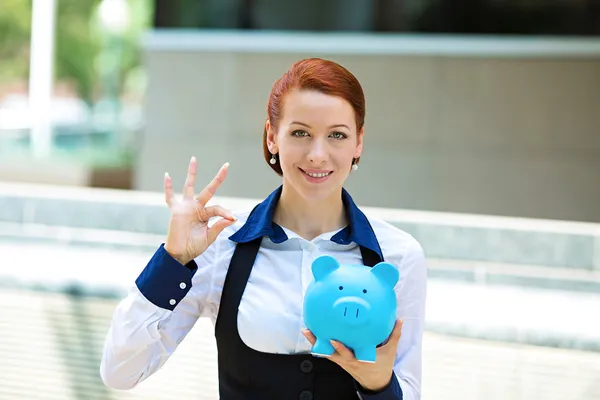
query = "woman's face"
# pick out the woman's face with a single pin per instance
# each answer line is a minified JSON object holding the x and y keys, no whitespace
{"x":316,"y":141}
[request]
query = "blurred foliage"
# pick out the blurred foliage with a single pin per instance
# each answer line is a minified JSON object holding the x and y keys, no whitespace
{"x":79,"y":42}
{"x":77,"y":45}
{"x":15,"y":25}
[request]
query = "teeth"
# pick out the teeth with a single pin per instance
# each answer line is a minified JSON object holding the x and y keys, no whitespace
{"x":321,"y":175}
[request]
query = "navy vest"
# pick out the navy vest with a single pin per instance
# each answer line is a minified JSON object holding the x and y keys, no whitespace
{"x":247,"y":374}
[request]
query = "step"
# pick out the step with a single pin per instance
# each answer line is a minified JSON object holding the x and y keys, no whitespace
{"x":561,"y":244}
{"x":544,"y":317}
{"x":455,"y":270}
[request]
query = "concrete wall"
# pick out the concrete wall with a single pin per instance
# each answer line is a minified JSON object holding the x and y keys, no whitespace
{"x":111,"y":216}
{"x":504,"y":127}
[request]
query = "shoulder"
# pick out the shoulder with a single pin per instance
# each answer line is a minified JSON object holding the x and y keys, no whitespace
{"x":398,"y":246}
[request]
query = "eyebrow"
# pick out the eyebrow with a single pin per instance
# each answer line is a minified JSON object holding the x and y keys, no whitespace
{"x":332,"y":126}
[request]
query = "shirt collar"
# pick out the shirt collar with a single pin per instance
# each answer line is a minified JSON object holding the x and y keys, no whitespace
{"x":260,"y":223}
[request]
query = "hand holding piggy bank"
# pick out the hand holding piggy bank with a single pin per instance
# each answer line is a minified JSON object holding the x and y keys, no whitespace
{"x":353,"y":304}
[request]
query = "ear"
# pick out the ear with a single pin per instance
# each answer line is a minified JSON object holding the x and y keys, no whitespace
{"x":323,"y":266}
{"x":387,"y":273}
{"x":359,"y":143}
{"x":271,"y":138}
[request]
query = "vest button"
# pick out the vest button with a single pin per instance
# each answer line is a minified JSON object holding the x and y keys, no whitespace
{"x":306,"y":366}
{"x":306,"y":395}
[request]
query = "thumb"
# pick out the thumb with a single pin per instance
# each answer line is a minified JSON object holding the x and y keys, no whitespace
{"x":396,"y":333}
{"x":215,"y":230}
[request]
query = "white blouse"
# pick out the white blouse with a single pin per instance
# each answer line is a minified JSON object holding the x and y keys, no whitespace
{"x":167,"y":300}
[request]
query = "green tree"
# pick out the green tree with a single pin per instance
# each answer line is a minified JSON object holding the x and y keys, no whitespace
{"x":15,"y":26}
{"x":79,"y":41}
{"x":77,"y":45}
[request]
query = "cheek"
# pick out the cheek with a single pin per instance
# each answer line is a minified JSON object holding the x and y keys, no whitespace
{"x":343,"y":154}
{"x":287,"y":160}
{"x":286,"y":155}
{"x":290,"y":152}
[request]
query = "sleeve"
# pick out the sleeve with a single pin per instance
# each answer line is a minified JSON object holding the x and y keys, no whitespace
{"x":158,"y":312}
{"x":411,"y":293}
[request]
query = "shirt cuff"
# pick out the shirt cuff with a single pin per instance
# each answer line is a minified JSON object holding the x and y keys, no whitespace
{"x":165,"y":281}
{"x":392,"y":391}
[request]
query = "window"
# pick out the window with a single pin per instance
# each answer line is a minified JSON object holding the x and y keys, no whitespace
{"x":529,"y":17}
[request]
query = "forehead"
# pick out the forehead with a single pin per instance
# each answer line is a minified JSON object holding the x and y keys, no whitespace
{"x":315,"y":108}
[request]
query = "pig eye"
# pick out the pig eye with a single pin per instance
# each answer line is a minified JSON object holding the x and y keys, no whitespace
{"x":364,"y":290}
{"x":341,"y":287}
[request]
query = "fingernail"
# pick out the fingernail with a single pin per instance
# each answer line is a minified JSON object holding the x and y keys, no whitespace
{"x":193,"y":159}
{"x":334,"y":343}
{"x":226,"y":164}
{"x":166,"y":174}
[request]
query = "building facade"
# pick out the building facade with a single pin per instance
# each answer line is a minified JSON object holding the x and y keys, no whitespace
{"x":472,"y":109}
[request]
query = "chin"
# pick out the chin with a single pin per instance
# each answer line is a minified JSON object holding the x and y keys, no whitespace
{"x":316,"y":196}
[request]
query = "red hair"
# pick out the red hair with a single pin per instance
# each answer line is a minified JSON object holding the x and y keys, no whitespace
{"x":319,"y":75}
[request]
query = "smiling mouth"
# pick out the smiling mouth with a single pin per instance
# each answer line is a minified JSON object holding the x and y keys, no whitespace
{"x":317,"y":175}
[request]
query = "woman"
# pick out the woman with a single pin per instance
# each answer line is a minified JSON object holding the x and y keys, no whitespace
{"x":248,"y":271}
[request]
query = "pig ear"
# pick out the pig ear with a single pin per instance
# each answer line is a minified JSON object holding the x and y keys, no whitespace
{"x":323,"y":266}
{"x":387,"y":273}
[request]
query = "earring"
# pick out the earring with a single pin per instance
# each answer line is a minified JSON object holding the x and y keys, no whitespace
{"x":354,"y":165}
{"x":273,"y":160}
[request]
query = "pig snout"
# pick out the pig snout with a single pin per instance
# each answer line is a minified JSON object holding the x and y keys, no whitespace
{"x":352,"y":310}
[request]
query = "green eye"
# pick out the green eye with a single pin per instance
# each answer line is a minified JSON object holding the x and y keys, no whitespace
{"x":338,"y":135}
{"x":299,"y":133}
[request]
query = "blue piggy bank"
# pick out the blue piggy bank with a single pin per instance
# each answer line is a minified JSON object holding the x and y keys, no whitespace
{"x":353,"y":304}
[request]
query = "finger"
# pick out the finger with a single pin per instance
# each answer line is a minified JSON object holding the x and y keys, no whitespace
{"x":209,"y":191}
{"x":215,"y":230}
{"x":309,"y":336}
{"x":168,"y":189}
{"x":214,"y":211}
{"x":190,"y":179}
{"x":396,"y":334}
{"x":344,"y":352}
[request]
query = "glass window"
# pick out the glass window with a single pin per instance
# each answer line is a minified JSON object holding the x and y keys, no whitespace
{"x":529,"y":17}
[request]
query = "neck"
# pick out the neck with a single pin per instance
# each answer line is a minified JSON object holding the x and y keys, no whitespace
{"x":309,"y":219}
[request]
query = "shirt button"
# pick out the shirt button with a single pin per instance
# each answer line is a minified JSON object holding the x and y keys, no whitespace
{"x":172,"y":302}
{"x":306,"y":366}
{"x":182,"y":285}
{"x":306,"y":395}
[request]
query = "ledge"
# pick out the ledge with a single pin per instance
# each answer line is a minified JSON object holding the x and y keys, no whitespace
{"x":241,"y":41}
{"x":550,"y":318}
{"x":44,"y":211}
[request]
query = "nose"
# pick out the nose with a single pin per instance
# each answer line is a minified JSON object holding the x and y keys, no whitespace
{"x":317,"y":153}
{"x":352,"y":310}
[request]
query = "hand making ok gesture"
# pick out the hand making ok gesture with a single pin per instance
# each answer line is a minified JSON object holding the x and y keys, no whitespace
{"x":189,"y":234}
